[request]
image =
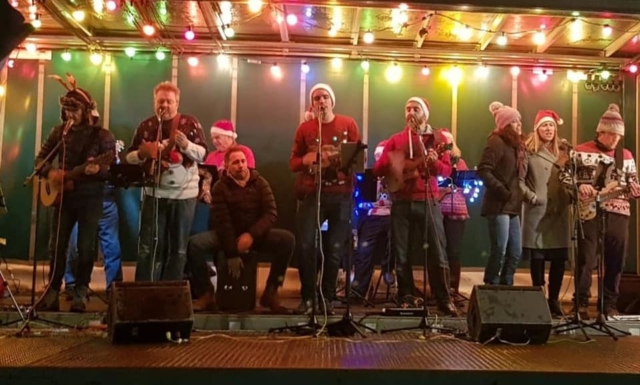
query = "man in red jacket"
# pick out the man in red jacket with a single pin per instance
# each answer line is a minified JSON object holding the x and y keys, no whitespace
{"x":244,"y":209}
{"x":335,"y":198}
{"x":411,"y":174}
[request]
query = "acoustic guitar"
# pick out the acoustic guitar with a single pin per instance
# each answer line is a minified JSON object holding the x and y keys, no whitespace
{"x":396,"y":179}
{"x":587,"y":208}
{"x":50,"y":193}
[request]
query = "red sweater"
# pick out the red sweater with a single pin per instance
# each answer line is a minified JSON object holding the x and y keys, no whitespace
{"x":342,"y":129}
{"x":414,"y":189}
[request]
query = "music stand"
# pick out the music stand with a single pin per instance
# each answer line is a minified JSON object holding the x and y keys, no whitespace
{"x":124,"y":175}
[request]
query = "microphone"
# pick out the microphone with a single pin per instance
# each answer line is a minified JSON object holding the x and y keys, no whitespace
{"x":67,"y":126}
{"x":161,"y":111}
{"x":565,"y":143}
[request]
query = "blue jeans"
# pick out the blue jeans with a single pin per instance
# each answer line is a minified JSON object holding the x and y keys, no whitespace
{"x":109,"y":244}
{"x":335,"y":208}
{"x":506,"y":249}
{"x":167,"y":222}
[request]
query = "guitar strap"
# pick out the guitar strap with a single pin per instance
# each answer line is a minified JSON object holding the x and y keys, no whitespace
{"x":619,"y":161}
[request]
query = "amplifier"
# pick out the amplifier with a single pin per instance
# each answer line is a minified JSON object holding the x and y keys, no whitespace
{"x":142,"y":312}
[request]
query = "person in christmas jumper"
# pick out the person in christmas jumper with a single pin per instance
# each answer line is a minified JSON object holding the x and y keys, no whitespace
{"x":500,"y":168}
{"x":167,"y":216}
{"x":455,"y":214}
{"x":335,"y":197}
{"x":405,"y":163}
{"x":81,"y":139}
{"x":592,"y":157}
{"x":546,"y":221}
{"x":373,"y":234}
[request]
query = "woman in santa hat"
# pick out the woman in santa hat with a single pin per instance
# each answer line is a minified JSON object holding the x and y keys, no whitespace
{"x":223,"y":136}
{"x":545,"y":225}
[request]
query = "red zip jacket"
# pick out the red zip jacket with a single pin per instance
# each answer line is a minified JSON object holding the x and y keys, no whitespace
{"x":414,"y":188}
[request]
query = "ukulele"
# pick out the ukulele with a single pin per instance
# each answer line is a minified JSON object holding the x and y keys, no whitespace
{"x":154,"y":167}
{"x":50,"y":193}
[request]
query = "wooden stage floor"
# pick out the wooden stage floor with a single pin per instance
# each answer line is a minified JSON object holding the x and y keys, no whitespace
{"x":236,"y":348}
{"x":249,"y":357}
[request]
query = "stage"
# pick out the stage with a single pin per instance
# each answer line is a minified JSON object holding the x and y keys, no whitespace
{"x":250,"y":357}
{"x":237,"y":348}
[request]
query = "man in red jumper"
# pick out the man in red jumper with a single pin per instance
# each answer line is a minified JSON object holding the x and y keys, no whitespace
{"x":334,"y":201}
{"x":590,"y":157}
{"x":406,"y":165}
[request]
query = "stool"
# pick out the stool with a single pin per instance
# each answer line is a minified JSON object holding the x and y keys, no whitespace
{"x":237,"y":295}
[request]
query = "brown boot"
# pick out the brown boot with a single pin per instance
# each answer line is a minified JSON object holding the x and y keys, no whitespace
{"x":205,"y":302}
{"x":270,"y":300}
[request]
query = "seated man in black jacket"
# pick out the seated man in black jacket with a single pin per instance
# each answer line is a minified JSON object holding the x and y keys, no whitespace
{"x":244,"y":211}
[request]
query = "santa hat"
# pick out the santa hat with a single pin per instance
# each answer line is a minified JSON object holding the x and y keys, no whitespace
{"x":424,"y":104}
{"x":380,"y":148}
{"x":224,"y":128}
{"x":611,"y":121}
{"x":503,"y":115}
{"x":77,"y":98}
{"x":310,"y":114}
{"x":544,"y":116}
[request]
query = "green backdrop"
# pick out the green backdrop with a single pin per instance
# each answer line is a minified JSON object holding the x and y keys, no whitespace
{"x":267,"y":114}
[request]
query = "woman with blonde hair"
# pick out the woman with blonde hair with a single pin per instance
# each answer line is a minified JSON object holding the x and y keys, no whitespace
{"x":545,"y":226}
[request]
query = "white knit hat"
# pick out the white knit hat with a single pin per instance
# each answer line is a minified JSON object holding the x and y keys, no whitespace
{"x":310,"y":114}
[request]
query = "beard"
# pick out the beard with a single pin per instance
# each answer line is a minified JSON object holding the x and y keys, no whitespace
{"x":240,"y":175}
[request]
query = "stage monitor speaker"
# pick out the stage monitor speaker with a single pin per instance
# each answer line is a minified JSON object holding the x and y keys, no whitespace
{"x":513,"y":314}
{"x":145,"y":312}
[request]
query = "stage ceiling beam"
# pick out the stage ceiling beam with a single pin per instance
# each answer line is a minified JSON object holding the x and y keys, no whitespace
{"x":355,"y":27}
{"x":586,"y":8}
{"x":209,"y":15}
{"x":554,"y":34}
{"x":423,"y":31}
{"x":61,"y":14}
{"x":432,"y":55}
{"x":280,"y":15}
{"x":211,"y":12}
{"x":622,"y":40}
{"x":496,"y":27}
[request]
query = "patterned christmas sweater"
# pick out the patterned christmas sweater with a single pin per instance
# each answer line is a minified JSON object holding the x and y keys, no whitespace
{"x":382,"y":206}
{"x":594,"y":163}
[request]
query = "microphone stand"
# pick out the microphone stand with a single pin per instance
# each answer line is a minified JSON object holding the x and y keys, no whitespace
{"x":156,"y":166}
{"x":32,"y":314}
{"x":312,"y":326}
{"x":347,"y":326}
{"x":424,"y":320}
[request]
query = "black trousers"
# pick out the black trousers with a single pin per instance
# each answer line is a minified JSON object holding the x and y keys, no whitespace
{"x":558,"y":258}
{"x":615,"y":249}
